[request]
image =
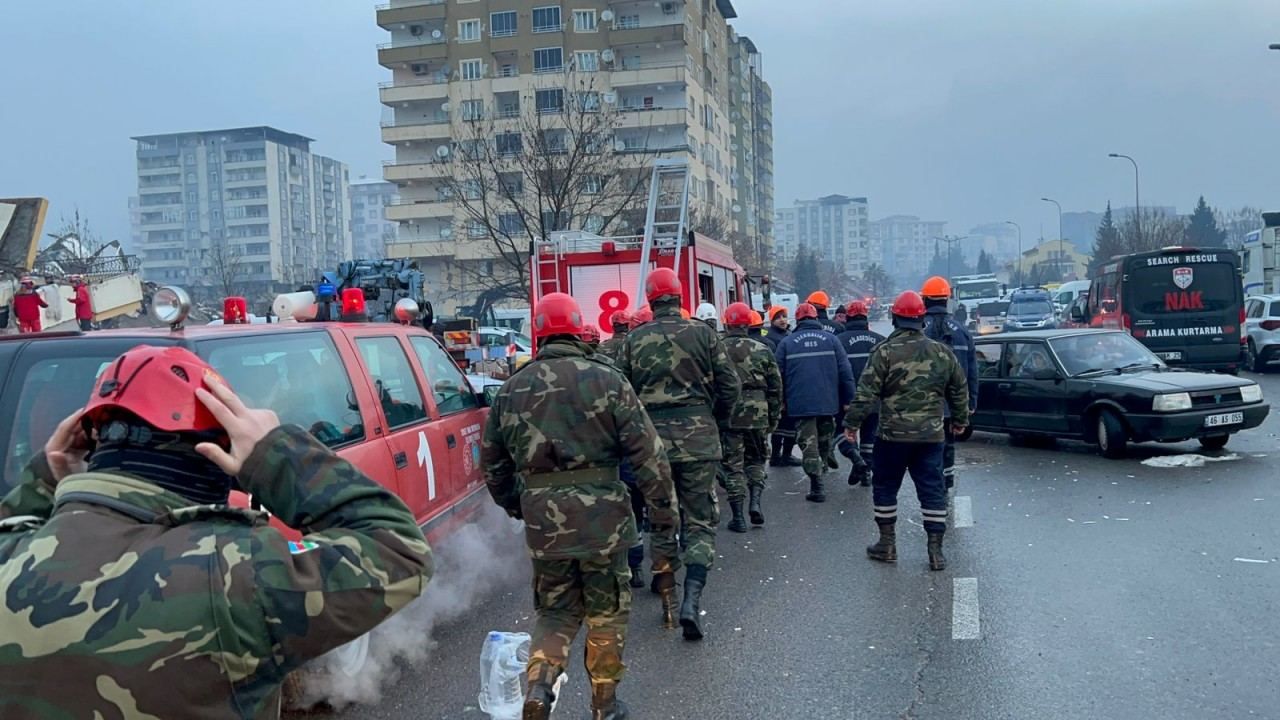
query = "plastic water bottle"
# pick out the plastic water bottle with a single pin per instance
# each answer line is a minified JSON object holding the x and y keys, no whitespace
{"x":502,"y":665}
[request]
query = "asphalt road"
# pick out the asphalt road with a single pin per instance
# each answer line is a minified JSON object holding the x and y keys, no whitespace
{"x":1084,"y":588}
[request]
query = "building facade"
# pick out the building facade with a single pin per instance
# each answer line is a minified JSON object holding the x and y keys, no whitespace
{"x":835,"y":228}
{"x":751,"y":116}
{"x":371,"y":231}
{"x":248,"y":211}
{"x":1051,"y":261}
{"x":661,"y":67}
{"x":907,"y":245}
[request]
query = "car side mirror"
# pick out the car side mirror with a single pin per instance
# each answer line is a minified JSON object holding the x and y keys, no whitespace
{"x":1045,"y":374}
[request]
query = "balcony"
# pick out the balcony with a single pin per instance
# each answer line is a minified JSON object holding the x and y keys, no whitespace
{"x":430,"y":87}
{"x":411,"y":51}
{"x":657,"y":73}
{"x":407,"y":171}
{"x":648,"y":35}
{"x":418,"y":210}
{"x":459,"y":249}
{"x":639,"y":117}
{"x":409,"y":11}
{"x":430,"y":128}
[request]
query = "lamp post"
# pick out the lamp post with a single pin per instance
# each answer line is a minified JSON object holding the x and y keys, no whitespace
{"x":1137,"y":201}
{"x":1010,"y":222}
{"x":1062,"y":248}
{"x":949,"y":241}
{"x":1274,"y":46}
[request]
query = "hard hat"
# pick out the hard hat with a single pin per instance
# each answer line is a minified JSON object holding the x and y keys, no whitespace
{"x":936,"y":287}
{"x":705,"y":311}
{"x":159,"y":386}
{"x":737,"y":315}
{"x":620,"y":318}
{"x":557,"y":314}
{"x":660,"y":282}
{"x":818,"y":299}
{"x":805,"y":310}
{"x":641,"y":316}
{"x":908,"y":305}
{"x":756,"y":319}
{"x":857,"y":308}
{"x":591,"y":334}
{"x":775,"y":311}
{"x":684,"y":313}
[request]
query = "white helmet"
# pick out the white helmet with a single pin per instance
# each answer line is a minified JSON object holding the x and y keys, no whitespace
{"x":706,"y":312}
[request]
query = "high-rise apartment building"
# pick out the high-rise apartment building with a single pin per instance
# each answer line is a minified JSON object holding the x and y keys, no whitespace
{"x":251,"y":210}
{"x":751,"y":115}
{"x":371,"y":231}
{"x":834,"y":227}
{"x":661,"y":66}
{"x":907,"y":244}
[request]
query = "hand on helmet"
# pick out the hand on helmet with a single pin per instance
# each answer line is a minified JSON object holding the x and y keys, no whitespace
{"x":245,"y":426}
{"x":67,"y":450}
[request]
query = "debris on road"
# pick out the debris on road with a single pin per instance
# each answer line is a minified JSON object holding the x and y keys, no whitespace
{"x":1190,"y":460}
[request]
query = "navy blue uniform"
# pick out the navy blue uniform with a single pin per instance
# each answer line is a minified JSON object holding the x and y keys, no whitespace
{"x":858,"y":341}
{"x":817,"y":383}
{"x":940,"y":326}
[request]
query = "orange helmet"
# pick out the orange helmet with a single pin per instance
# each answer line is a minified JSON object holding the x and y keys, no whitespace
{"x":936,"y":287}
{"x":818,"y":299}
{"x":660,"y":282}
{"x":557,"y":314}
{"x":775,"y":311}
{"x":909,"y":305}
{"x":757,"y":319}
{"x":737,"y":315}
{"x":804,"y":311}
{"x":857,"y":308}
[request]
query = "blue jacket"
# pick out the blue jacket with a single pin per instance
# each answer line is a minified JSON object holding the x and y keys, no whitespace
{"x":858,"y":341}
{"x":940,"y":326}
{"x":816,"y":377}
{"x":828,"y":324}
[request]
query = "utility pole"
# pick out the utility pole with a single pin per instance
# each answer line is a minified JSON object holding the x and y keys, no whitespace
{"x":1137,"y":200}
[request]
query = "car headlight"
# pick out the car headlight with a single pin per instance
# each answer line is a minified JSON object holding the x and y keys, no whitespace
{"x":1251,"y":393}
{"x":1172,"y":402}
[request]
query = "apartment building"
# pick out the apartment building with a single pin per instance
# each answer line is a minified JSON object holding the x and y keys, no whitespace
{"x":834,"y":227}
{"x":251,"y":208}
{"x":371,"y":231}
{"x":907,"y":243}
{"x":751,"y":116}
{"x":662,"y":66}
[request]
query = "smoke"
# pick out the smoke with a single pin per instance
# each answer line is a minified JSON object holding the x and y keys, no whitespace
{"x":470,"y":564}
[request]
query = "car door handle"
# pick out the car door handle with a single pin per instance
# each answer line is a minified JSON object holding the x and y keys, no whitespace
{"x":402,"y":460}
{"x":1005,"y":386}
{"x":451,"y":441}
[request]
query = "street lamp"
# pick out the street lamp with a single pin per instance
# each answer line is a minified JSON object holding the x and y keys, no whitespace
{"x":1137,"y":202}
{"x":1274,"y":46}
{"x":1010,"y":222}
{"x":949,"y":241}
{"x":1062,"y":248}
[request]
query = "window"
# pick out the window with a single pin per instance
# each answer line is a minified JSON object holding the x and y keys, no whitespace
{"x":472,"y":109}
{"x":1027,"y":359}
{"x":1275,"y":310}
{"x":1253,"y":309}
{"x":592,"y":185}
{"x":989,"y":360}
{"x":589,"y":101}
{"x":549,"y":101}
{"x":468,"y":31}
{"x":627,"y":22}
{"x":471,"y":189}
{"x":584,"y":20}
{"x":510,"y":224}
{"x":299,"y":376}
{"x":548,"y":60}
{"x":476,"y":229}
{"x":503,"y":24}
{"x":586,"y":61}
{"x":507,"y":143}
{"x":449,"y":386}
{"x":555,"y":141}
{"x":547,"y":19}
{"x":552,"y":222}
{"x":392,"y":375}
{"x":593,"y":224}
{"x":471,"y":69}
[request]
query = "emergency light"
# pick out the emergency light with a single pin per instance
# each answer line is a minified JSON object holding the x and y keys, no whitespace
{"x":353,"y":305}
{"x":235,"y":311}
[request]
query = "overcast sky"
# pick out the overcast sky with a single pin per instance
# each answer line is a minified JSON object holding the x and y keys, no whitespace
{"x":961,"y":111}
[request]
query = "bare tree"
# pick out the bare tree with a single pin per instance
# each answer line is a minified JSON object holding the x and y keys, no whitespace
{"x":1238,"y":223}
{"x":555,"y":162}
{"x":226,"y":266}
{"x":1151,"y":230}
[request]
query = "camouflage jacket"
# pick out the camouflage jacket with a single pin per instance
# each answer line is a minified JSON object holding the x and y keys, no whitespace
{"x":685,"y":379}
{"x":912,"y":376}
{"x":556,"y":434}
{"x":761,"y":404}
{"x":120,"y":599}
{"x":609,"y":348}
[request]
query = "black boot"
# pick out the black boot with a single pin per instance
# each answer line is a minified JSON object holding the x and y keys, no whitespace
{"x":635,"y":560}
{"x":537,"y":704}
{"x":695,"y":578}
{"x":775,"y":450}
{"x":739,"y":523}
{"x":886,"y":550}
{"x":858,"y":474}
{"x":936,"y":559}
{"x":605,"y":704}
{"x":816,"y":493}
{"x":788,"y":446}
{"x":757,"y":516}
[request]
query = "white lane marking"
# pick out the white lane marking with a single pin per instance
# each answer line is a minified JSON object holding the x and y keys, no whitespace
{"x":963,"y":506}
{"x":1251,"y":560}
{"x":964,"y":609}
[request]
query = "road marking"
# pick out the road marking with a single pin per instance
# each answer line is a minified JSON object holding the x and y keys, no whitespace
{"x":964,"y":609}
{"x":963,"y":511}
{"x":1251,"y":560}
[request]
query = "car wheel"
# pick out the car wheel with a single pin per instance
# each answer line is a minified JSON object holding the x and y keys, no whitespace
{"x":1254,"y":362}
{"x":1113,"y":438}
{"x":1214,"y":442}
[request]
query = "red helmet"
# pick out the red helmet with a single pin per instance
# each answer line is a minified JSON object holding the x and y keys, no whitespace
{"x":857,"y":308}
{"x":159,"y":386}
{"x":660,"y":282}
{"x":641,"y":316}
{"x":557,"y":314}
{"x":620,"y":318}
{"x":737,"y":315}
{"x":909,"y":305}
{"x":804,"y":311}
{"x":591,"y":334}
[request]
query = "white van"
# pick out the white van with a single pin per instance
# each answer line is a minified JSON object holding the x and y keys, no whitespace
{"x":1067,"y":293}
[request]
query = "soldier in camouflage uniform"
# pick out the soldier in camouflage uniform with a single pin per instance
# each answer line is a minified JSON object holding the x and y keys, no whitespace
{"x":552,"y":445}
{"x":620,"y":323}
{"x":687,"y":383}
{"x":757,"y":414}
{"x":911,"y":376}
{"x":128,"y":588}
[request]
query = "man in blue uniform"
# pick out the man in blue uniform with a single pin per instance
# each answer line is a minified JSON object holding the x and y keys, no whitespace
{"x":858,"y":340}
{"x":940,"y":326}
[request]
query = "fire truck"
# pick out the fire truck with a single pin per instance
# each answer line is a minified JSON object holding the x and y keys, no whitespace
{"x":607,"y":274}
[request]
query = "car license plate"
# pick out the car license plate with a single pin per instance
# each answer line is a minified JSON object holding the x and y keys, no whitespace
{"x":1170,"y":355}
{"x":1224,"y":419}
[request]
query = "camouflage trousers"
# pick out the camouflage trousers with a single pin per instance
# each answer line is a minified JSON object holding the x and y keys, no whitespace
{"x":700,"y":514}
{"x":745,"y":454}
{"x":816,"y":435}
{"x":567,"y":592}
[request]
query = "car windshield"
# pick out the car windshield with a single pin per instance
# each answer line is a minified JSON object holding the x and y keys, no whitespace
{"x":1102,"y":351}
{"x":976,"y":290}
{"x":993,"y":309}
{"x":1030,"y":307}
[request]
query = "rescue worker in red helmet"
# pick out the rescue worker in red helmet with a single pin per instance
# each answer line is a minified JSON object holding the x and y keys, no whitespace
{"x":83,"y":303}
{"x":941,"y":326}
{"x":591,"y":336}
{"x":124,"y":538}
{"x":911,"y":377}
{"x":755,"y":416}
{"x":641,"y":316}
{"x":27,"y":306}
{"x":858,"y":340}
{"x":555,"y":436}
{"x":620,"y":324}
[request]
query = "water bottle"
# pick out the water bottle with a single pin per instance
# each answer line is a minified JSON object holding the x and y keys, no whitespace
{"x":502,"y":665}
